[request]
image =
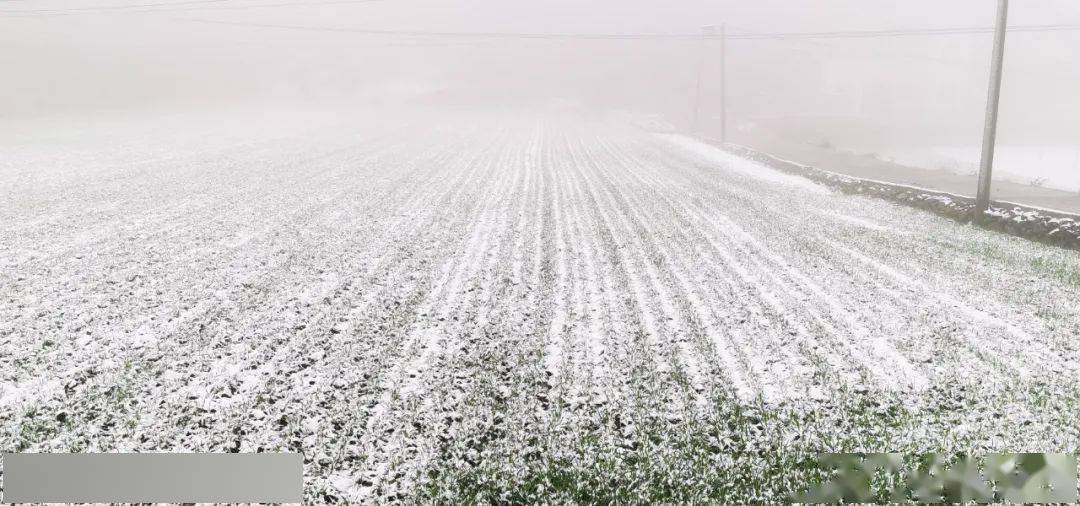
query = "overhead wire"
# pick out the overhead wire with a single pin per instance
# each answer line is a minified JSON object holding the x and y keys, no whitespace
{"x":230,"y":4}
{"x":648,"y":36}
{"x":182,"y":5}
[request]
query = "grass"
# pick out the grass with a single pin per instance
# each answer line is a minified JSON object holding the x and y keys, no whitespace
{"x":737,"y":454}
{"x":1067,"y":273}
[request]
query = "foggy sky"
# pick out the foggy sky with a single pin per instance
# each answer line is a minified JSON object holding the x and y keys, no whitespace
{"x":63,"y":57}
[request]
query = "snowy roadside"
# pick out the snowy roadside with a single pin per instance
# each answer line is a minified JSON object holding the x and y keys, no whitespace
{"x":1038,"y":224}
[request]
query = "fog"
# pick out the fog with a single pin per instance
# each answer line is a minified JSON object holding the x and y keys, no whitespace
{"x":537,"y":252}
{"x":63,"y":59}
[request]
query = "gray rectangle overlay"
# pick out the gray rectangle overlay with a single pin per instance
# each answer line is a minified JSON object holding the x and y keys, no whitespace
{"x":153,"y":477}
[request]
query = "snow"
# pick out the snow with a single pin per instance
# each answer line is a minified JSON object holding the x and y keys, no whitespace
{"x":861,"y":222}
{"x":414,"y":305}
{"x":729,"y":162}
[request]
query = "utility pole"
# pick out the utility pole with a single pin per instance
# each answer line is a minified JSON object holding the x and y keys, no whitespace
{"x":706,"y":32}
{"x":982,"y":198}
{"x":723,"y":83}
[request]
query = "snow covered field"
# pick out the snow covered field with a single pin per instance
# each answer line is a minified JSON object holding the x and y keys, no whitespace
{"x":514,"y":310}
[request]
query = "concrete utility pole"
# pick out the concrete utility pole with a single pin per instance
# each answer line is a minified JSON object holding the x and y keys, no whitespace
{"x":982,"y":198}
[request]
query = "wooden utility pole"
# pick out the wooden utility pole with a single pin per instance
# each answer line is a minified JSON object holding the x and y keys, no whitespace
{"x":986,"y":166}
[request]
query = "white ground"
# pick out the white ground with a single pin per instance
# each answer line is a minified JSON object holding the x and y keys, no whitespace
{"x":512,"y":310}
{"x":1055,"y":167}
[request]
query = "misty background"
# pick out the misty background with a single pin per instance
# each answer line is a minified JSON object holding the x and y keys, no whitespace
{"x":66,"y":61}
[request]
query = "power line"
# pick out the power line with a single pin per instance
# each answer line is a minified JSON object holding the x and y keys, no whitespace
{"x":651,"y":36}
{"x":183,"y":5}
{"x":462,"y":35}
{"x":207,"y":5}
{"x":108,"y":7}
{"x":899,"y":33}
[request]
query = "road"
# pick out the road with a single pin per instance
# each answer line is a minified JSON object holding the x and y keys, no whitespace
{"x":932,"y":169}
{"x":514,"y":310}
